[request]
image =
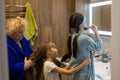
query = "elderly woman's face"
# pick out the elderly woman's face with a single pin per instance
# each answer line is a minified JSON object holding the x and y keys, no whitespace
{"x":18,"y":33}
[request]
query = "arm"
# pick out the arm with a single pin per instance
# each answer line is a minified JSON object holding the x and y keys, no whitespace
{"x":15,"y":68}
{"x":73,"y":70}
{"x":97,"y":44}
{"x":94,"y":28}
{"x":66,"y":67}
{"x":27,"y":47}
{"x":28,"y":51}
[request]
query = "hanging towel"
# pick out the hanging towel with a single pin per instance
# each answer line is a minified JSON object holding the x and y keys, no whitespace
{"x":31,"y":31}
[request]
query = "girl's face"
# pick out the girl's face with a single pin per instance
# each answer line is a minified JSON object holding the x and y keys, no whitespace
{"x":53,"y":52}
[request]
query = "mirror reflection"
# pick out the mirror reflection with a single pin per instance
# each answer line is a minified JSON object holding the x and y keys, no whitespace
{"x":100,"y":15}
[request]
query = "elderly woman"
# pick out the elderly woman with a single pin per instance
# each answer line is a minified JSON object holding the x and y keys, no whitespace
{"x":18,"y":49}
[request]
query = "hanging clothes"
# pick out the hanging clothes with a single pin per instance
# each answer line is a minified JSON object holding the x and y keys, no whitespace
{"x":31,"y":31}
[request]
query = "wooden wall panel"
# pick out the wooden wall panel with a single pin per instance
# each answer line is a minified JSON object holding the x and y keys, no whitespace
{"x":52,"y":20}
{"x":82,"y":6}
{"x":96,"y":17}
{"x":106,"y":17}
{"x":102,"y":17}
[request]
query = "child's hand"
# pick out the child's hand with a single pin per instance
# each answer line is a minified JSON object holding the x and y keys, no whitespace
{"x":87,"y":61}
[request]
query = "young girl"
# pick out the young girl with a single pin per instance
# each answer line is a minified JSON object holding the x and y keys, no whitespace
{"x":81,"y":46}
{"x":45,"y":56}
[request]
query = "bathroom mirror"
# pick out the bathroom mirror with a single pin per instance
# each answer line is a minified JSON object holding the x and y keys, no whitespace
{"x":100,"y":15}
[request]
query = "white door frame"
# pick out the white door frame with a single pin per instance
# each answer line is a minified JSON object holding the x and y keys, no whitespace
{"x":115,"y":46}
{"x":3,"y":51}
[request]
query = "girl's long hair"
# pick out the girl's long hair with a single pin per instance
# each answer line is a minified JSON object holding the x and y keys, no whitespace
{"x":75,"y":22}
{"x":39,"y":56}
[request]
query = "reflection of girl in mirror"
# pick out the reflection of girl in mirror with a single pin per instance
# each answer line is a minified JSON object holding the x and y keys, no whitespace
{"x":81,"y":46}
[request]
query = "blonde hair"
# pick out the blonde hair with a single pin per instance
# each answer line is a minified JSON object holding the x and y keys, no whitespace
{"x":15,"y":23}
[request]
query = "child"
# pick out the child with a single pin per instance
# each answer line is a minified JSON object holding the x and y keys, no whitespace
{"x":45,"y":55}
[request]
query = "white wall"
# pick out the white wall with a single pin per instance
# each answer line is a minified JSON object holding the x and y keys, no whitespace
{"x":3,"y":52}
{"x":115,"y":46}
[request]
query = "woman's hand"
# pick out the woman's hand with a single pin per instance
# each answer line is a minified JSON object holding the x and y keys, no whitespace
{"x":94,"y":28}
{"x":28,"y":63}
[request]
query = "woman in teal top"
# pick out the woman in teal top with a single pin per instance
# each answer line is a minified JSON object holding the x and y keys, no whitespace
{"x":81,"y":46}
